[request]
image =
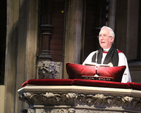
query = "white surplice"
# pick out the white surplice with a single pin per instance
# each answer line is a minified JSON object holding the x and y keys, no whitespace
{"x":122,"y":61}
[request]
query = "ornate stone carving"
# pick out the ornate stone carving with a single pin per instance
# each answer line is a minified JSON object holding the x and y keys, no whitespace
{"x":74,"y":99}
{"x":71,"y":110}
{"x":30,"y":110}
{"x":59,"y":111}
{"x":96,"y":111}
{"x":49,"y":69}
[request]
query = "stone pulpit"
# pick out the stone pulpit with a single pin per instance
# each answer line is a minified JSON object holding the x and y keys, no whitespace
{"x":80,"y":96}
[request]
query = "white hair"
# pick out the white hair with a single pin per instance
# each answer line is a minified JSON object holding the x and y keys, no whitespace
{"x":111,"y":31}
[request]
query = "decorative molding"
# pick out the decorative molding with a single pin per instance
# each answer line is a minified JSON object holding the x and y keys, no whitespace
{"x":97,"y":101}
{"x":45,"y":55}
{"x":30,"y":110}
{"x":45,"y":37}
{"x":63,"y":111}
{"x":96,"y":111}
{"x":49,"y":69}
{"x":71,"y":110}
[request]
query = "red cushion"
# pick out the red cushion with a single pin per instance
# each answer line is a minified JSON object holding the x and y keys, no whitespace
{"x":82,"y":82}
{"x":114,"y":72}
{"x":99,"y":83}
{"x":48,"y":82}
{"x":78,"y":71}
{"x":135,"y":85}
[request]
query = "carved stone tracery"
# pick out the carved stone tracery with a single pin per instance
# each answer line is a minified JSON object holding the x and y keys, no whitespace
{"x":49,"y":69}
{"x":74,"y":99}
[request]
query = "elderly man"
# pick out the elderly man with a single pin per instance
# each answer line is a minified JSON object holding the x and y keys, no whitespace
{"x":107,"y":54}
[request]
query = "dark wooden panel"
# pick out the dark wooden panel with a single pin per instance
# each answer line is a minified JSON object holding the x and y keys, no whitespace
{"x":58,"y":15}
{"x":56,"y":52}
{"x":57,"y":58}
{"x":57,"y":20}
{"x":58,"y":30}
{"x":57,"y":41}
{"x":57,"y":36}
{"x":56,"y":44}
{"x":57,"y":24}
{"x":56,"y":47}
{"x":93,"y":15}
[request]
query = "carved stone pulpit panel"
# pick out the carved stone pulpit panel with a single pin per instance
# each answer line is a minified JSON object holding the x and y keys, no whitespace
{"x":49,"y":70}
{"x":80,"y":99}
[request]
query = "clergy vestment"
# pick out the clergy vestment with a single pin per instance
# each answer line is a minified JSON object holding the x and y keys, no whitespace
{"x":122,"y":60}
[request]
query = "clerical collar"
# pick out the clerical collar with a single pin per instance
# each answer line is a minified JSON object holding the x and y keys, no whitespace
{"x":106,"y":50}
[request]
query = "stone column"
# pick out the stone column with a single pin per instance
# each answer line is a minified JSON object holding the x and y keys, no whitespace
{"x":46,"y":68}
{"x":27,"y":45}
{"x":10,"y":56}
{"x":111,"y":14}
{"x":21,"y":48}
{"x":73,"y":34}
{"x":46,"y":30}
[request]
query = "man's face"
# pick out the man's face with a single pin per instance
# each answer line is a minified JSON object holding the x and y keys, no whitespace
{"x":105,"y":40}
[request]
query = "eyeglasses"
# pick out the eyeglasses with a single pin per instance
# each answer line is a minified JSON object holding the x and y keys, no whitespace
{"x":104,"y":36}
